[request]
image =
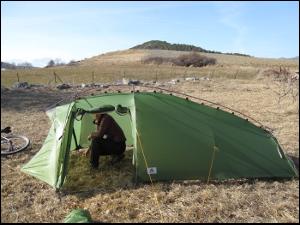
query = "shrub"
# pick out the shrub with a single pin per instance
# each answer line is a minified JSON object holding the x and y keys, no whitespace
{"x":193,"y":59}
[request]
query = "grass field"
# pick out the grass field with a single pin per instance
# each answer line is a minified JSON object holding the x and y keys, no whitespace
{"x":116,"y":65}
{"x":114,"y":198}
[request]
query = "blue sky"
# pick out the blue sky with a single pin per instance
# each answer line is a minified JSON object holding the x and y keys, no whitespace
{"x":38,"y":31}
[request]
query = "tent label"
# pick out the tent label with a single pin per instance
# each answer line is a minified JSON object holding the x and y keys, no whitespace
{"x":152,"y":170}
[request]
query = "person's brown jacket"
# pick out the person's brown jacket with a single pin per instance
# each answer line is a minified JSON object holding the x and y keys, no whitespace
{"x":109,"y":127}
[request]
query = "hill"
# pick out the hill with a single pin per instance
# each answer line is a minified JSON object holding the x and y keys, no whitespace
{"x":293,"y":58}
{"x":136,"y":56}
{"x":5,"y":65}
{"x":25,"y":65}
{"x":163,"y":45}
{"x":116,"y":65}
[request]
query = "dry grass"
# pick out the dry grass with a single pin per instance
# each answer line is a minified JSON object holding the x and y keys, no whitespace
{"x":134,"y":55}
{"x":116,"y":65}
{"x":82,"y":178}
{"x":114,"y":198}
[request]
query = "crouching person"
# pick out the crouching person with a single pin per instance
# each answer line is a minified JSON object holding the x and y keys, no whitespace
{"x":109,"y":139}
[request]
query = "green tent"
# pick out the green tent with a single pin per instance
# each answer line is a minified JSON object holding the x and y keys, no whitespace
{"x":79,"y":216}
{"x":173,"y":139}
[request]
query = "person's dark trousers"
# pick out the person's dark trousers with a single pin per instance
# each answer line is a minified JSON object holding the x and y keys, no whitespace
{"x":102,"y":146}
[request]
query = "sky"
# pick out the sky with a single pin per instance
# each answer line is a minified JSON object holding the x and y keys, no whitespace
{"x":36,"y":32}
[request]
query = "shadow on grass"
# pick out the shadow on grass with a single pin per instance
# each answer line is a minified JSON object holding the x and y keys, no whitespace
{"x":295,"y":160}
{"x":31,"y":99}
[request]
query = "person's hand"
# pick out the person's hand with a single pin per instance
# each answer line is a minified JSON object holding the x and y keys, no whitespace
{"x":92,"y":136}
{"x":87,"y":153}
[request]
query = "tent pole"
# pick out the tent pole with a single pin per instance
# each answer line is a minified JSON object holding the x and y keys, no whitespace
{"x":76,"y":143}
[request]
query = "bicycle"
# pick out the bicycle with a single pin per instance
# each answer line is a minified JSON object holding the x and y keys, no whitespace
{"x":12,"y":143}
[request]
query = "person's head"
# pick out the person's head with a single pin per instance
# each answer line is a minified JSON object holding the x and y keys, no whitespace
{"x":98,"y":117}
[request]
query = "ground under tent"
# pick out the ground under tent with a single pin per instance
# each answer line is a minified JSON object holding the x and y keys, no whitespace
{"x":172,"y":138}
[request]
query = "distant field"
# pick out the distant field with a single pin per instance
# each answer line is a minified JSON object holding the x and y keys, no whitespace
{"x":116,"y":65}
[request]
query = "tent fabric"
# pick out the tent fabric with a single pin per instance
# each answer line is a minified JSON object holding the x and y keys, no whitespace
{"x":46,"y":165}
{"x":183,"y":147}
{"x":173,"y":139}
{"x":78,"y":216}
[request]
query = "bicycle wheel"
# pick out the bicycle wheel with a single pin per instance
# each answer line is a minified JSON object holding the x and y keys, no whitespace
{"x":11,"y":144}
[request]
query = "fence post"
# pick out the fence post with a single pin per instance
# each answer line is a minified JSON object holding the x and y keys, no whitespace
{"x":54,"y":77}
{"x":18,"y":77}
{"x":236,"y":74}
{"x":171,"y":71}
